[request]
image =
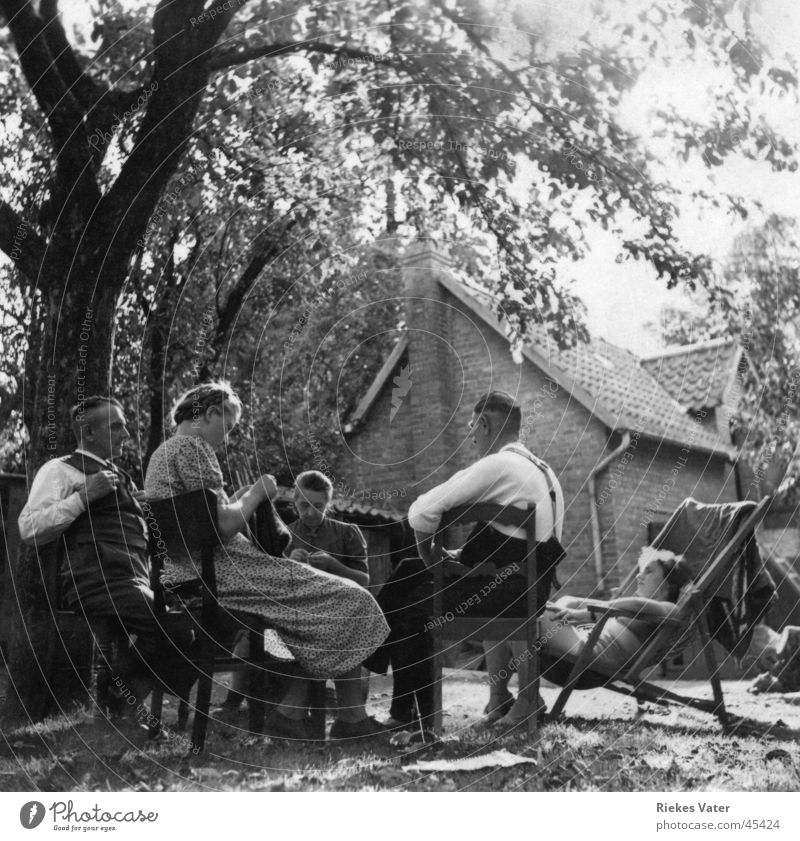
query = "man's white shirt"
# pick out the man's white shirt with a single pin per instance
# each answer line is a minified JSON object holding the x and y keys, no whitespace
{"x":507,"y":477}
{"x":54,"y":502}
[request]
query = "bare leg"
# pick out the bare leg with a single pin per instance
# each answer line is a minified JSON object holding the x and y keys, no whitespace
{"x":520,"y":712}
{"x":498,"y":673}
{"x":350,"y":697}
{"x":295,"y":701}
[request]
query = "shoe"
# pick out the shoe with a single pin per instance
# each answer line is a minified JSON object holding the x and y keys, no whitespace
{"x":367,"y":728}
{"x":395,"y":724}
{"x":508,"y":723}
{"x":498,"y":711}
{"x":278,"y":726}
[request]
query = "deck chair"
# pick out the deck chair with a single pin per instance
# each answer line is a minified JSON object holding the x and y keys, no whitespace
{"x":463,"y":628}
{"x":717,"y":542}
{"x":179,"y":525}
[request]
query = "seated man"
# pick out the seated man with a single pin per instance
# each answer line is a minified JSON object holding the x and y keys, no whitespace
{"x":339,"y":549}
{"x":93,"y":506}
{"x":506,"y":474}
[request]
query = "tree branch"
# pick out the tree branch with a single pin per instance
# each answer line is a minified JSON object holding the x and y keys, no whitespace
{"x":74,"y":169}
{"x":20,"y":242}
{"x":82,"y":86}
{"x":241,"y":53}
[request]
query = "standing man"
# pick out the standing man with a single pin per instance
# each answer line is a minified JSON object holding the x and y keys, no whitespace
{"x":93,"y":506}
{"x":506,"y":473}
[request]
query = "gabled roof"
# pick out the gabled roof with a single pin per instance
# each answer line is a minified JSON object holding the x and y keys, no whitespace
{"x":607,"y":380}
{"x":698,"y":376}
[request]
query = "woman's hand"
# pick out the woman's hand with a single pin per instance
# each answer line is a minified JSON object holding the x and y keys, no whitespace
{"x":300,"y":555}
{"x":266,"y":486}
{"x":573,"y":615}
{"x":321,"y":560}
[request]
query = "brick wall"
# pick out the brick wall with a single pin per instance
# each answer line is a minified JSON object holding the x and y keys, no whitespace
{"x":643,"y":491}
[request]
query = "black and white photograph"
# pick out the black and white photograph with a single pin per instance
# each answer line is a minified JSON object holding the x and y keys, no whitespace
{"x":400,"y":396}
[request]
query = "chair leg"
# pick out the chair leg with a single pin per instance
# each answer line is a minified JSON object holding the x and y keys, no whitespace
{"x":438,"y":722}
{"x":317,"y":705}
{"x":532,"y":687}
{"x":257,"y":683}
{"x":578,"y":667}
{"x":203,"y":702}
{"x":156,"y":711}
{"x":713,"y":674}
{"x":104,"y":656}
{"x":183,"y":711}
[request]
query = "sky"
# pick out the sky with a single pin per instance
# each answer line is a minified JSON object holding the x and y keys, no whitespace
{"x":622,"y":298}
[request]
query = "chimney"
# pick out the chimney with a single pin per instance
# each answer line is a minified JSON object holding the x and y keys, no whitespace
{"x":433,"y":363}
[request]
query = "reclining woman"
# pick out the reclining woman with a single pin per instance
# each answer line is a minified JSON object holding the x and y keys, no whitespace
{"x":330,"y":624}
{"x":662,"y":576}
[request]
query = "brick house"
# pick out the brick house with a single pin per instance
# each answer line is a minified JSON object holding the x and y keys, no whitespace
{"x":628,"y":438}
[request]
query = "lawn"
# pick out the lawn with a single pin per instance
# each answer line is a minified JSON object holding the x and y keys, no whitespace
{"x":603,"y":745}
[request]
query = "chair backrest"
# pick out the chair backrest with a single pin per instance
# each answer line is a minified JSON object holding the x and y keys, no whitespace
{"x":184,"y":522}
{"x":179,"y":525}
{"x":506,"y":515}
{"x":490,"y":512}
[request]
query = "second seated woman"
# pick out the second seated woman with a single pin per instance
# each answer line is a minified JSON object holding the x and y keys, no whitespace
{"x":330,"y":624}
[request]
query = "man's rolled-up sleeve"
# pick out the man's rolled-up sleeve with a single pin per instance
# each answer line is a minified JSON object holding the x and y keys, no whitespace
{"x":53,"y":505}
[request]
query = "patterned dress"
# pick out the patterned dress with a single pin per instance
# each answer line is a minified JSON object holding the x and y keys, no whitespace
{"x":329,"y":624}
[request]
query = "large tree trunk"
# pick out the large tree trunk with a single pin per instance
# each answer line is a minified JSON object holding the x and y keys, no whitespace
{"x":77,"y":265}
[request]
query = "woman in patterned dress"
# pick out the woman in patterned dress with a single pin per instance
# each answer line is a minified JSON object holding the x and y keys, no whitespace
{"x":330,"y":624}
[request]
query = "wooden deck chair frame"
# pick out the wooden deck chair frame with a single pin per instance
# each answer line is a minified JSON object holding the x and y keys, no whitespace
{"x":463,"y":628}
{"x":693,"y":609}
{"x":188,"y":522}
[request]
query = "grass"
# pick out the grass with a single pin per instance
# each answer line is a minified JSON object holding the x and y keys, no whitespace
{"x":607,"y":750}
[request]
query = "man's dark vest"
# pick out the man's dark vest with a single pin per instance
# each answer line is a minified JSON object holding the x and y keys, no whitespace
{"x":106,"y":546}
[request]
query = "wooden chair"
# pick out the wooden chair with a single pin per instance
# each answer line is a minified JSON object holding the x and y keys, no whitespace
{"x":462,"y":628}
{"x":671,"y":636}
{"x":178,"y":526}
